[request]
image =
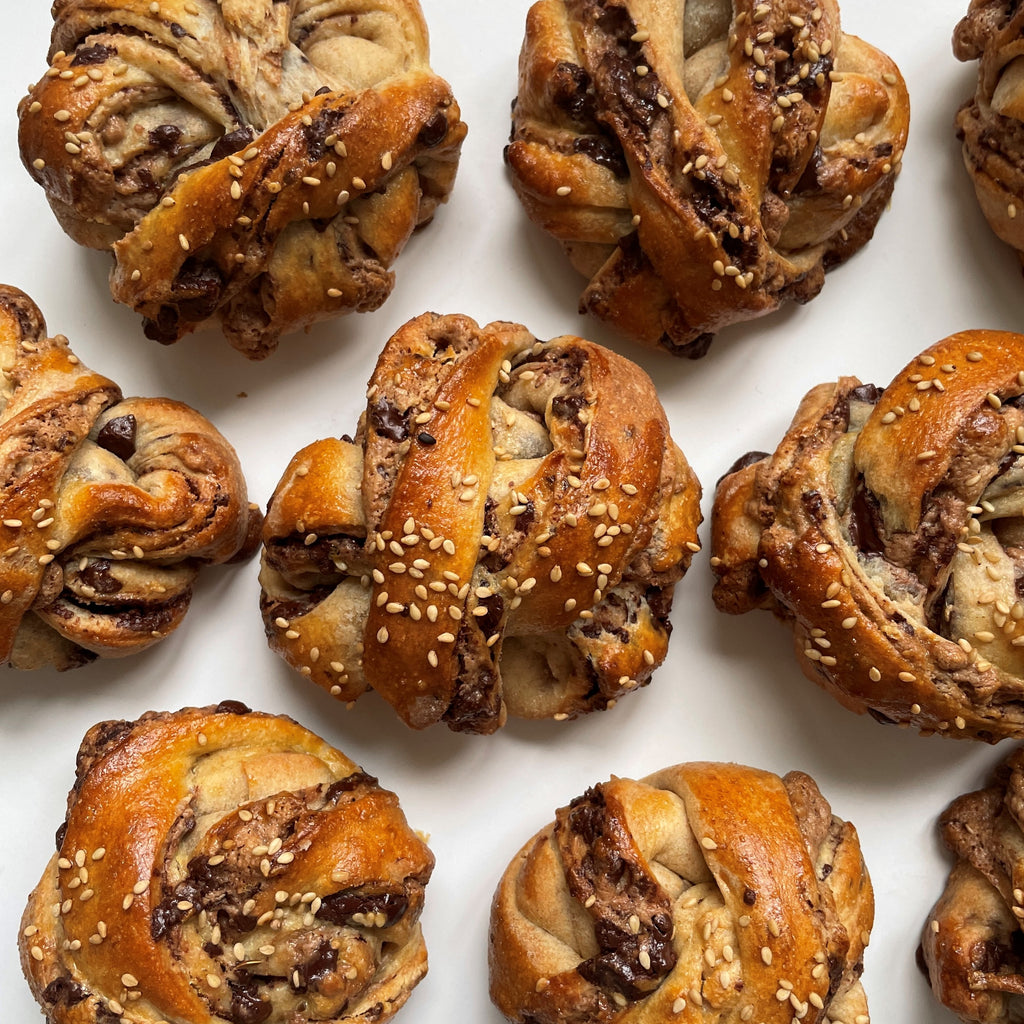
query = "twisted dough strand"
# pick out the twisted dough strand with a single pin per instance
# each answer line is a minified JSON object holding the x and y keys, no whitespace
{"x":705,"y":892}
{"x":256,"y":162}
{"x":702,"y":162}
{"x":108,"y":506}
{"x":502,"y":535}
{"x":886,"y":530}
{"x":218,"y":863}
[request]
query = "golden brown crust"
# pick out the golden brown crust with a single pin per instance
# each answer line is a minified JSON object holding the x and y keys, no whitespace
{"x":991,"y":124}
{"x":701,"y":171}
{"x":707,"y":891}
{"x":970,"y":944}
{"x":503,"y":535}
{"x":884,"y":530}
{"x":221,"y":864}
{"x":109,"y":506}
{"x":260,"y":164}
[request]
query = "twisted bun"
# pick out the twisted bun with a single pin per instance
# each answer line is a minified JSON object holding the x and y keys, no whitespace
{"x":502,"y":535}
{"x":109,"y":506}
{"x":989,"y":123}
{"x":258,"y":164}
{"x":885,"y":530}
{"x":702,"y":163}
{"x":707,"y":889}
{"x":220,"y":864}
{"x":971,"y":943}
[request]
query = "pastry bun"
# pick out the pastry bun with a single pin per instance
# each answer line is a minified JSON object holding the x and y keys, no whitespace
{"x":502,"y":536}
{"x":221,"y":864}
{"x":109,"y":506}
{"x":885,"y":529}
{"x":260,"y":165}
{"x":702,"y":162}
{"x":705,"y":891}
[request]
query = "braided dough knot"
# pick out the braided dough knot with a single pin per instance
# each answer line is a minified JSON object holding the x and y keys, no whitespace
{"x":257,"y":162}
{"x":702,"y":161}
{"x":887,"y":528}
{"x":109,"y":506}
{"x":237,"y":868}
{"x":703,"y":892}
{"x":971,"y":945}
{"x":502,"y":535}
{"x":991,"y":124}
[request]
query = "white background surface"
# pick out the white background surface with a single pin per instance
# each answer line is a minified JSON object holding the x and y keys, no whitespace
{"x":730,"y":689}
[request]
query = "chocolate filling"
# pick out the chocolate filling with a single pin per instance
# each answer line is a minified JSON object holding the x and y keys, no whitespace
{"x":631,"y":912}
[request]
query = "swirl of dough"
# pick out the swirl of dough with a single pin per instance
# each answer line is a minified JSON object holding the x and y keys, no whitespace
{"x":255,"y":162}
{"x":503,"y":534}
{"x":971,"y":943}
{"x":990,"y":124}
{"x":109,"y":506}
{"x":221,"y":864}
{"x":708,"y":892}
{"x":702,"y":161}
{"x":886,"y":529}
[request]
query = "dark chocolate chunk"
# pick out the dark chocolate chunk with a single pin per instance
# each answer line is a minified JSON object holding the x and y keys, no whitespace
{"x":388,"y":421}
{"x":118,"y":436}
{"x":97,"y":575}
{"x":232,"y":707}
{"x":231,"y":142}
{"x":349,"y":784}
{"x":434,"y":131}
{"x":340,"y":907}
{"x":322,"y":964}
{"x":64,"y":991}
{"x":96,"y":54}
{"x":246,"y":1005}
{"x":165,"y":136}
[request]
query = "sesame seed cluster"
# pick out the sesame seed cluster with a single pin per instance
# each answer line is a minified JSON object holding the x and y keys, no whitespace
{"x":884,"y":531}
{"x":501,"y":537}
{"x":316,"y":139}
{"x":989,"y":124}
{"x":257,"y":874}
{"x":705,"y":891}
{"x":109,"y":506}
{"x":704,"y":173}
